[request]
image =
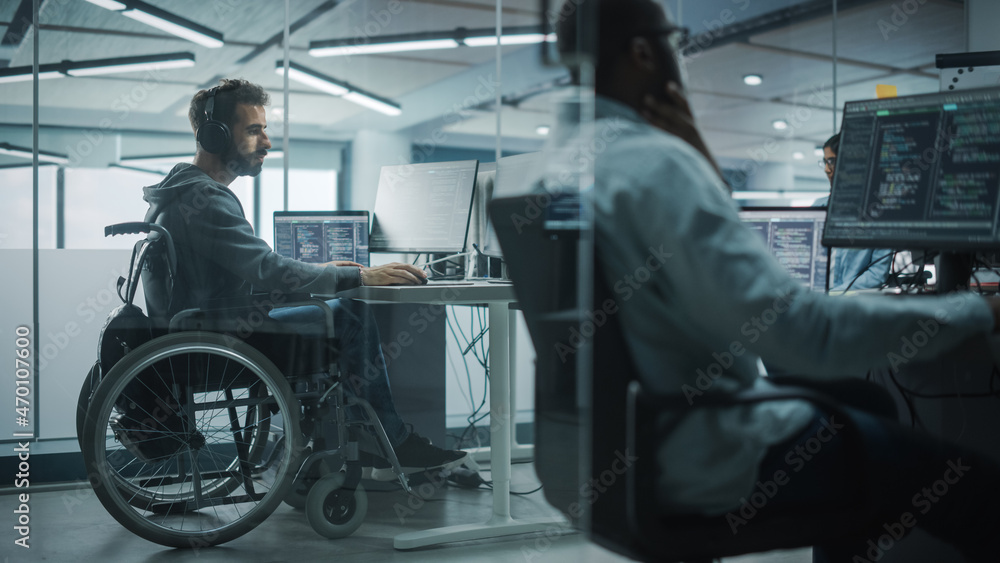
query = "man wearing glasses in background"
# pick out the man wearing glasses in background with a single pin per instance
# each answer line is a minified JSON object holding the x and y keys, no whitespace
{"x":852,"y":268}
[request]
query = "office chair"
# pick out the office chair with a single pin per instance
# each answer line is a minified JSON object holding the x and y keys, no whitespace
{"x":590,"y":423}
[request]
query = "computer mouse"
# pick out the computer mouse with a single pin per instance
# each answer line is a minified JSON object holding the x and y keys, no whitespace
{"x":423,"y":281}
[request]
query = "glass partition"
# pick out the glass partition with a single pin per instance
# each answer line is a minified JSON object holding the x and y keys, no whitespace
{"x":372,"y":83}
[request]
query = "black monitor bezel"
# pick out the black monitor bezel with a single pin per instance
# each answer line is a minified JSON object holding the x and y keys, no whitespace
{"x":948,"y":245}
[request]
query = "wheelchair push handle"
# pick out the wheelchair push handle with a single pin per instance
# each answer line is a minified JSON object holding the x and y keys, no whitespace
{"x":132,"y":228}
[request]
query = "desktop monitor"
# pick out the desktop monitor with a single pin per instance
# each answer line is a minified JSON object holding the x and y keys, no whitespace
{"x":322,"y":236}
{"x":919,"y":172}
{"x":423,"y":207}
{"x":793,"y":236}
{"x":513,"y":175}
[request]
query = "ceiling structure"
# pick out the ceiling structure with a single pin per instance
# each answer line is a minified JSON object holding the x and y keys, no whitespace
{"x":789,"y":43}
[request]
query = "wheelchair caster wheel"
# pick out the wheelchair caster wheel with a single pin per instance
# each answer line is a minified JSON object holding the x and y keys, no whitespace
{"x":296,"y":497}
{"x":335,"y":512}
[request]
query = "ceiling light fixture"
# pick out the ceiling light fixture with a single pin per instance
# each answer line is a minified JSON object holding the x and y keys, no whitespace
{"x":23,"y":74}
{"x":509,"y":39}
{"x":99,"y":66}
{"x":780,"y":194}
{"x":337,"y":48}
{"x":164,"y":20}
{"x":543,"y":130}
{"x":131,"y":64}
{"x":798,"y":155}
{"x":449,"y":39}
{"x":43,"y":156}
{"x":338,"y":88}
{"x":779,"y":124}
{"x":753,"y":79}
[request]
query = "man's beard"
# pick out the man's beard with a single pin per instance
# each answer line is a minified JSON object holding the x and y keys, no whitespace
{"x":243,"y":165}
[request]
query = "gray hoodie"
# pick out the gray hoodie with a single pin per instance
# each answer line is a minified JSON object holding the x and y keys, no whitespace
{"x":218,"y":254}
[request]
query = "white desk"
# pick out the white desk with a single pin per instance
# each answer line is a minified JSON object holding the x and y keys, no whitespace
{"x":498,"y":298}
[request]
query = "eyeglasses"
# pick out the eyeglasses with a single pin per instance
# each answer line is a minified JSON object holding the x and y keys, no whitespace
{"x":825,"y":162}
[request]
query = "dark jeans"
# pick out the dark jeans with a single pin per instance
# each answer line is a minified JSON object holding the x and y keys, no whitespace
{"x":914,"y":480}
{"x":362,"y":366}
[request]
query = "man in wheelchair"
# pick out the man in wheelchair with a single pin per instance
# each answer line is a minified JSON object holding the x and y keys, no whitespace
{"x":219,"y":257}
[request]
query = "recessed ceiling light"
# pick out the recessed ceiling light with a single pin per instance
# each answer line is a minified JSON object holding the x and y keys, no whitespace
{"x":753,"y":79}
{"x":779,"y":124}
{"x":818,"y":151}
{"x":543,"y":130}
{"x":797,"y":155}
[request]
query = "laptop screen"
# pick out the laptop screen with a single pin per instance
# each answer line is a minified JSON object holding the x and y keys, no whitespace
{"x":322,"y":236}
{"x":793,"y":234}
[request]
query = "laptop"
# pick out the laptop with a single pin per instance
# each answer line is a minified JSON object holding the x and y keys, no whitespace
{"x":322,"y":236}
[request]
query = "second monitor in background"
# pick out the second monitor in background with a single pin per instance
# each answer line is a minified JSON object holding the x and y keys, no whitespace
{"x":322,"y":236}
{"x":424,"y":208}
{"x":514,"y":176}
{"x":793,"y":235}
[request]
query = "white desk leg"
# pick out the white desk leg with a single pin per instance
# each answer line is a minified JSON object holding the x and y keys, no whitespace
{"x":518,"y":452}
{"x":500,"y":524}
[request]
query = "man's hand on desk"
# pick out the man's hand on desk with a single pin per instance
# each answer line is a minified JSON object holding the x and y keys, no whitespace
{"x":393,"y":274}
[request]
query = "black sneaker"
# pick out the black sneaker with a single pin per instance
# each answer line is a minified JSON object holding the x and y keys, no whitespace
{"x":417,"y":454}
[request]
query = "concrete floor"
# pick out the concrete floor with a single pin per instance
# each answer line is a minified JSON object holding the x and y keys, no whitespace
{"x":71,"y":525}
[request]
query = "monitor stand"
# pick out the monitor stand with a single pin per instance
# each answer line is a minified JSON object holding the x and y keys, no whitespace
{"x":954,"y":270}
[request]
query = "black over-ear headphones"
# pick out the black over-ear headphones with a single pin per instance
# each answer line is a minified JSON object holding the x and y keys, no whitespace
{"x":213,"y":136}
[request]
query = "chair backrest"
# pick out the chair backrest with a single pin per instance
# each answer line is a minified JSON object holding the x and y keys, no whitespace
{"x":543,"y":264}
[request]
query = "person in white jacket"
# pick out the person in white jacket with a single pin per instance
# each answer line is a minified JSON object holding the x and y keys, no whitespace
{"x":702,"y":301}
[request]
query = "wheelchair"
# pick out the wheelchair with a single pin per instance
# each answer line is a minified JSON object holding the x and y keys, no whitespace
{"x":194,"y":432}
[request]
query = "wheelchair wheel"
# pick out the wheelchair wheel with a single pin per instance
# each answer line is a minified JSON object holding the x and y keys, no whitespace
{"x":83,"y":401}
{"x":192,"y":439}
{"x":334,"y":511}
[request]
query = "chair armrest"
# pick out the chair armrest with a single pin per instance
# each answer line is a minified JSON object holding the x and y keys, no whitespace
{"x":642,"y":406}
{"x":255,"y":301}
{"x":230,"y":307}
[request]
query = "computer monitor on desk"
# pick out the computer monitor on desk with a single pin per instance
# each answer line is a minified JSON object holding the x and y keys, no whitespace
{"x":322,"y":236}
{"x":423,"y":208}
{"x":920,"y":172}
{"x":513,"y":177}
{"x":793,"y":234}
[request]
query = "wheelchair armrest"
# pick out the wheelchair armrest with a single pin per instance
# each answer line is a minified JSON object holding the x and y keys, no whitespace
{"x":225,"y":308}
{"x":255,"y":301}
